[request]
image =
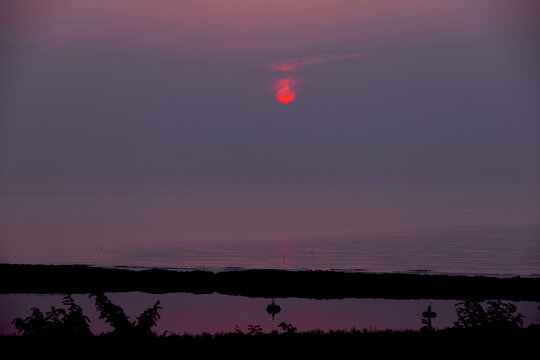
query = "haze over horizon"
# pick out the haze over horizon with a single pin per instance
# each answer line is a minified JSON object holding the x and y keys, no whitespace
{"x":144,"y":90}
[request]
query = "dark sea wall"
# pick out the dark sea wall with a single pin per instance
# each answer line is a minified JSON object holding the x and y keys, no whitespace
{"x":264,"y":283}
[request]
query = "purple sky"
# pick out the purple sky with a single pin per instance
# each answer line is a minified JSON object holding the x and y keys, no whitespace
{"x":162,"y":90}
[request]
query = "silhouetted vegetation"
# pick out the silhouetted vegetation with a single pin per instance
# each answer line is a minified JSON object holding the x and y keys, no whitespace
{"x":237,"y":330}
{"x":72,"y":321}
{"x":497,"y":314}
{"x":287,"y":328}
{"x":254,"y":330}
{"x":57,"y":321}
{"x":115,"y":316}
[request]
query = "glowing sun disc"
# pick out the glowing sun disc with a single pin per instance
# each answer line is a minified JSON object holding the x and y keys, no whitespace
{"x":285,"y":95}
{"x":285,"y":90}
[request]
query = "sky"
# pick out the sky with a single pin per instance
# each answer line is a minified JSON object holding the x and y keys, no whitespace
{"x":385,"y":135}
{"x":188,"y":91}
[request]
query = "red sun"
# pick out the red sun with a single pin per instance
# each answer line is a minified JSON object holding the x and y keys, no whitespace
{"x":285,"y":90}
{"x":285,"y":95}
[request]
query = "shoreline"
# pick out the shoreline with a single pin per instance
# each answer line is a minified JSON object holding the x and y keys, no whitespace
{"x":313,"y":284}
{"x":339,"y":270}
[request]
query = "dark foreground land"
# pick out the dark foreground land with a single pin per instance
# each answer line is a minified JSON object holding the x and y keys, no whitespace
{"x":264,"y":283}
{"x":448,"y":343}
{"x":475,"y":339}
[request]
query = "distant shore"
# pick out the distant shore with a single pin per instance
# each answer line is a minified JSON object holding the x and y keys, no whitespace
{"x":314,"y":284}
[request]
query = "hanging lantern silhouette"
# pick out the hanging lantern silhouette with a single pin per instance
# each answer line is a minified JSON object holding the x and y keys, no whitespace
{"x":427,"y":316}
{"x":273,"y":309}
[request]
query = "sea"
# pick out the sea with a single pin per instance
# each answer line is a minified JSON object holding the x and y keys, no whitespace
{"x":377,"y":227}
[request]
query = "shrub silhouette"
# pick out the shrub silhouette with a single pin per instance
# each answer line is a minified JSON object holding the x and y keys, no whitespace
{"x":498,"y":315}
{"x":237,"y":330}
{"x":72,"y":321}
{"x":254,"y":329}
{"x":287,"y":328}
{"x":117,"y":318}
{"x":470,"y":314}
{"x":35,"y":324}
{"x":501,"y":314}
{"x":57,"y":321}
{"x":113,"y":314}
{"x":148,"y":319}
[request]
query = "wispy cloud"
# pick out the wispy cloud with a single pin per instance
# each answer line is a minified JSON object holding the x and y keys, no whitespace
{"x":295,"y":64}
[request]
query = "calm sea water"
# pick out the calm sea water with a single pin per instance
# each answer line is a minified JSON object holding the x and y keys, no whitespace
{"x":448,"y":228}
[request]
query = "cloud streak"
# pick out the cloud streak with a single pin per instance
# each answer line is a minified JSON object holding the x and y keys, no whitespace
{"x":299,"y":63}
